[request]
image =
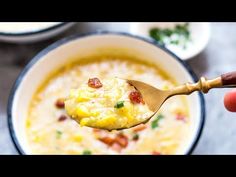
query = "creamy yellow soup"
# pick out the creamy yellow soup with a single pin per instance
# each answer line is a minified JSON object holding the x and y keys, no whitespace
{"x":51,"y":131}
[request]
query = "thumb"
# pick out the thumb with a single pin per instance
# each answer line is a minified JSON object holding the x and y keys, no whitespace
{"x":230,"y":101}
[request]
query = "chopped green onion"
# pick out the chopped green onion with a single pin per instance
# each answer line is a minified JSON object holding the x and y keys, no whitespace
{"x":135,"y":137}
{"x":179,"y":35}
{"x":58,"y":134}
{"x":119,"y":104}
{"x":87,"y":152}
{"x":154,"y":123}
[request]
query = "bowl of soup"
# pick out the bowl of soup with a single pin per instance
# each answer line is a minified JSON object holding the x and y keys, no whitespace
{"x":38,"y":121}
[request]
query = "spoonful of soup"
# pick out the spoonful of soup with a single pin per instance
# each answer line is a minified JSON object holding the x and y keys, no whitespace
{"x":115,"y":103}
{"x":110,"y":104}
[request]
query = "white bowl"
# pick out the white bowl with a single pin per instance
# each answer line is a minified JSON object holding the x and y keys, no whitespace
{"x":58,"y":53}
{"x":200,"y":35}
{"x":33,"y":35}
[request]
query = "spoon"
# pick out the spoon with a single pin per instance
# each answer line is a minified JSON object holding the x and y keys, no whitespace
{"x":154,"y":97}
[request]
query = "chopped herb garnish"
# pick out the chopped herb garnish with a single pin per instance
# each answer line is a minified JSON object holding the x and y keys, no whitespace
{"x":87,"y":152}
{"x":154,"y":123}
{"x":58,"y":134}
{"x":119,"y":104}
{"x":135,"y":137}
{"x":179,"y":35}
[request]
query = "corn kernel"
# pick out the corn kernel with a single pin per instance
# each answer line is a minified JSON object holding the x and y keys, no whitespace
{"x":28,"y":123}
{"x":78,"y":138}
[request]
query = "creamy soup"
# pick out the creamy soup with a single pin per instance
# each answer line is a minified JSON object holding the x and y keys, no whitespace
{"x":51,"y":131}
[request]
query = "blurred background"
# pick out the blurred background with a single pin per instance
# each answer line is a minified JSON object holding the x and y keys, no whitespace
{"x":217,"y":57}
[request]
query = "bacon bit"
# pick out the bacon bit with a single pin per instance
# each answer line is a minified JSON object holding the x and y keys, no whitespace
{"x":136,"y":97}
{"x":94,"y":83}
{"x":139,"y":127}
{"x":117,"y":143}
{"x":62,"y":118}
{"x":181,"y":117}
{"x":122,"y":140}
{"x":60,"y":103}
{"x":156,"y":153}
{"x":107,"y":140}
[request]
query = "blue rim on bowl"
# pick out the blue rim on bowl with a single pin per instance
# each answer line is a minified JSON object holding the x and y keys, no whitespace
{"x":53,"y":27}
{"x":75,"y":37}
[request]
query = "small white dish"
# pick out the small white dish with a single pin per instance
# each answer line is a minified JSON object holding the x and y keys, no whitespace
{"x":28,"y":32}
{"x":199,"y":34}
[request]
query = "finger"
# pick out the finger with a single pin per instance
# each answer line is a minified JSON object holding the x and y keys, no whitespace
{"x":230,"y":101}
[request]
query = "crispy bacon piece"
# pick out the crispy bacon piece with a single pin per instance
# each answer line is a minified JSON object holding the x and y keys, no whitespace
{"x":94,"y":83}
{"x":122,"y":140}
{"x":62,"y":118}
{"x":60,"y":103}
{"x":136,"y":97}
{"x":139,"y":127}
{"x":117,"y":143}
{"x":107,"y":140}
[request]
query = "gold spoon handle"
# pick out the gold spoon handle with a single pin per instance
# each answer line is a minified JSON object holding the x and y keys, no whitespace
{"x":204,"y":85}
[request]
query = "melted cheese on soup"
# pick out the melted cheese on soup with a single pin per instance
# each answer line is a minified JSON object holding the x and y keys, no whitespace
{"x":50,"y":130}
